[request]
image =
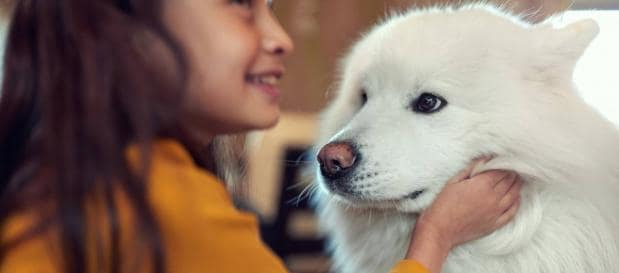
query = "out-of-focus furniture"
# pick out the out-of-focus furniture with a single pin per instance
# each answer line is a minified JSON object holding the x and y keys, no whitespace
{"x":277,"y":191}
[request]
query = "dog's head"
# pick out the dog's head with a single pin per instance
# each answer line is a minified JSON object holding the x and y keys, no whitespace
{"x":424,"y":93}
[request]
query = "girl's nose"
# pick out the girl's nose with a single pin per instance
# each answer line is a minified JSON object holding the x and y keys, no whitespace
{"x":275,"y":40}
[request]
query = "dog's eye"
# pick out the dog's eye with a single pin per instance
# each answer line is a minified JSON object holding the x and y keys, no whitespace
{"x":364,"y":97}
{"x":428,"y":103}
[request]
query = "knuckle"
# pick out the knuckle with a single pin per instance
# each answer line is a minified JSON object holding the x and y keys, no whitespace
{"x":507,"y":201}
{"x":493,"y":175}
{"x":503,"y":175}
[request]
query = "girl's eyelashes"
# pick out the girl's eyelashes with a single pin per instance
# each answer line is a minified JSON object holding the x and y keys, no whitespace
{"x":250,"y":3}
{"x":244,"y":8}
{"x":246,"y":3}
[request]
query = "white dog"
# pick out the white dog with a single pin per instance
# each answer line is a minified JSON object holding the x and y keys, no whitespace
{"x":426,"y":92}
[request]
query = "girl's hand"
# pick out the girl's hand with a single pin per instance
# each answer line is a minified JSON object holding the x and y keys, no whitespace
{"x":465,"y":210}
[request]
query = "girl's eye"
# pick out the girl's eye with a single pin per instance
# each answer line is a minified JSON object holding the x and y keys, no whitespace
{"x":247,"y":3}
{"x":428,"y":103}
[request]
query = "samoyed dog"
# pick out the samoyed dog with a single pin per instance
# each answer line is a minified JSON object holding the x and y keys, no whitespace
{"x":424,"y":93}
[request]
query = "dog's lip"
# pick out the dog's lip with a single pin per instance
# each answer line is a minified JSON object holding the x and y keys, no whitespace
{"x":411,"y":196}
{"x":414,"y":195}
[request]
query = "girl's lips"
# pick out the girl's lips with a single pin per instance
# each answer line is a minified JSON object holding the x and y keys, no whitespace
{"x":270,"y":90}
{"x":266,"y":82}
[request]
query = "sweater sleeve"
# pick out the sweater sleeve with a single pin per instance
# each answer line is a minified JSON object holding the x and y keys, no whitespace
{"x":409,"y":266}
{"x":29,"y":256}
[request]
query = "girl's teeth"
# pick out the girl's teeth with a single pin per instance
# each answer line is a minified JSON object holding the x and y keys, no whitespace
{"x":271,"y":80}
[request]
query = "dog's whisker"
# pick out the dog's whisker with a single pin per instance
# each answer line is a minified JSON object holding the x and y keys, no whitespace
{"x":297,"y":162}
{"x":313,"y":190}
{"x":306,"y":154}
{"x":301,"y":196}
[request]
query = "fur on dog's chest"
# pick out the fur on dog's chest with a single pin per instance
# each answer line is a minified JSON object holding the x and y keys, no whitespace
{"x":552,"y":233}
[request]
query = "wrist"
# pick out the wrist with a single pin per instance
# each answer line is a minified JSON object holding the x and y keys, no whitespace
{"x":433,"y":233}
{"x":429,"y":247}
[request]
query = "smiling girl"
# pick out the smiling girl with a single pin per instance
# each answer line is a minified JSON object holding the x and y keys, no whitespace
{"x":108,"y":113}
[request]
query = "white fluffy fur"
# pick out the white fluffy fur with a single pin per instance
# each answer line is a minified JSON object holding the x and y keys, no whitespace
{"x":510,"y":93}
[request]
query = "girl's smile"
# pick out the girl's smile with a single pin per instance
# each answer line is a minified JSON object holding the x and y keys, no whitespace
{"x":266,"y":81}
{"x":235,"y":52}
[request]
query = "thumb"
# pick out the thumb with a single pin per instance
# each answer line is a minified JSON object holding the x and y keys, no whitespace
{"x":466,"y":173}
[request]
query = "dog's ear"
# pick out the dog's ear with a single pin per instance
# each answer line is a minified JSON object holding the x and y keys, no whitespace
{"x":568,"y":43}
{"x":572,"y":40}
{"x":559,"y":49}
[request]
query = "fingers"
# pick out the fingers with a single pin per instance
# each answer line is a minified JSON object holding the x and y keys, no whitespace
{"x":512,"y":194}
{"x":508,"y":214}
{"x":491,"y":178}
{"x":505,"y":183}
{"x":510,"y":203}
{"x":466,"y":173}
{"x":463,"y":175}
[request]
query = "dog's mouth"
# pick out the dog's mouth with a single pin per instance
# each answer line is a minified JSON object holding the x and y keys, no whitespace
{"x":366,"y":200}
{"x":350,"y":191}
{"x":415,"y":194}
{"x":409,"y":203}
{"x":411,"y":196}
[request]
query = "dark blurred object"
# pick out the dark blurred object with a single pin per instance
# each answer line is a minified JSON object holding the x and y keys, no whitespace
{"x":293,"y":234}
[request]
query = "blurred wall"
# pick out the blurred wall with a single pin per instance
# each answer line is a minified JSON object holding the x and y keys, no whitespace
{"x":324,"y":29}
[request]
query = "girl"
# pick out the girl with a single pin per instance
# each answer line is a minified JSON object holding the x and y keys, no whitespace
{"x":108,"y":113}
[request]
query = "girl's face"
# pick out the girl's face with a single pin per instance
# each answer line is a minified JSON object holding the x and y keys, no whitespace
{"x":234,"y":50}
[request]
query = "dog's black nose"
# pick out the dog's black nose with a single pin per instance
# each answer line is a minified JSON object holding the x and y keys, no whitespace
{"x":336,"y":159}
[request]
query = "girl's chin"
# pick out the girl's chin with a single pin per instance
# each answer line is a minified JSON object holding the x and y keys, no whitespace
{"x":256,"y":120}
{"x":267,"y":122}
{"x":259,"y":121}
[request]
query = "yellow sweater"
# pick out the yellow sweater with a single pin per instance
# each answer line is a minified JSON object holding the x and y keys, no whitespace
{"x":202,"y":231}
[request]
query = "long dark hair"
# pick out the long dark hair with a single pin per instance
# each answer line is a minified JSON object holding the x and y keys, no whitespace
{"x":79,"y":86}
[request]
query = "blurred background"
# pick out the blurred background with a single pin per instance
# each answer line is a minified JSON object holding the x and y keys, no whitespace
{"x":322,"y":31}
